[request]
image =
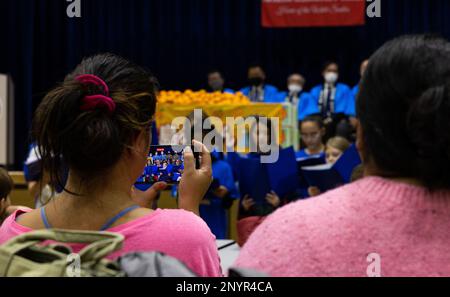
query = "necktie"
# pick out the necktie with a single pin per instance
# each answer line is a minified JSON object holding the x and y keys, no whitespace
{"x":329,"y":101}
{"x":326,"y":103}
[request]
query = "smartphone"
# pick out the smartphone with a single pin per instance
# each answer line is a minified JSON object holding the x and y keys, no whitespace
{"x":165,"y":163}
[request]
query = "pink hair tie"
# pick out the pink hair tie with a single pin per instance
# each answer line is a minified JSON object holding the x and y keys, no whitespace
{"x":96,"y":101}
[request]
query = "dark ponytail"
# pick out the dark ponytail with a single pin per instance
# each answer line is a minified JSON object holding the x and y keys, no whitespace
{"x":91,"y":141}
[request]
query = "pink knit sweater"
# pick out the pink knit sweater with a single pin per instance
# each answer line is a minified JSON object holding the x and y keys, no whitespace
{"x":332,"y":235}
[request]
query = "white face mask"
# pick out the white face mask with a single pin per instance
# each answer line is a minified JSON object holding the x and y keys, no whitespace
{"x":331,"y":77}
{"x":294,"y":88}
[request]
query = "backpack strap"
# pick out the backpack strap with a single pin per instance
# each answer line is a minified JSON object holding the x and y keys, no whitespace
{"x":99,"y":244}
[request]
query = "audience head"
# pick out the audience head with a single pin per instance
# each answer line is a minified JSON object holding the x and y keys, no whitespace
{"x":312,"y":132}
{"x":404,"y":108}
{"x":335,"y":147}
{"x":6,"y":186}
{"x":256,"y":75}
{"x":99,"y":117}
{"x":330,"y":72}
{"x":216,"y":81}
{"x":296,"y":83}
{"x":363,"y":67}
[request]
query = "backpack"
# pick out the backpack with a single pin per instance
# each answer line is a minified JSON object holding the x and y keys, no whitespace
{"x":26,"y":256}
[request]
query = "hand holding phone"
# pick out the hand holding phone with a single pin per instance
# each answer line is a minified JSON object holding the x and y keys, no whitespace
{"x":146,"y":199}
{"x":195,"y":182}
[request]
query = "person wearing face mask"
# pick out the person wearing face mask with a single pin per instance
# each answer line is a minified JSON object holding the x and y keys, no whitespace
{"x":216,"y":82}
{"x":362,"y":69}
{"x":259,"y":91}
{"x":296,"y":94}
{"x":334,"y":102}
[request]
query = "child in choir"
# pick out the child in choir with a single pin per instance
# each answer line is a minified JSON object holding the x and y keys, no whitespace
{"x":312,"y":132}
{"x":260,"y":134}
{"x":252,"y":214}
{"x":335,"y":148}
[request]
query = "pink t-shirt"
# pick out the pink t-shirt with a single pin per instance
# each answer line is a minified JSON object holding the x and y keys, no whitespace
{"x":176,"y":233}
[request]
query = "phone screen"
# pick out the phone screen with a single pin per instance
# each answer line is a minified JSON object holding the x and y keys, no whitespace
{"x":165,"y":163}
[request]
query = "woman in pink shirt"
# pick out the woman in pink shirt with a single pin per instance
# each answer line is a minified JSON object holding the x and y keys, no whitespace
{"x":98,"y":122}
{"x":395,"y":221}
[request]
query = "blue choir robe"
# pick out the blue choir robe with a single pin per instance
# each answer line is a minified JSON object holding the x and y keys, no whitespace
{"x":176,"y":172}
{"x":214,"y":214}
{"x":271,"y":94}
{"x":303,"y":155}
{"x":344,"y":101}
{"x":302,"y":104}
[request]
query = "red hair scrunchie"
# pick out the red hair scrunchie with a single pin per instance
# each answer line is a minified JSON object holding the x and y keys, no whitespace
{"x":92,"y":102}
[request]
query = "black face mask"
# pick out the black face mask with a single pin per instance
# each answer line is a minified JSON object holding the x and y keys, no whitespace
{"x":256,"y":81}
{"x":216,"y":86}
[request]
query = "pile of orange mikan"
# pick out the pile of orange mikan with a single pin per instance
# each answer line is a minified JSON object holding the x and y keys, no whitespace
{"x":202,"y":97}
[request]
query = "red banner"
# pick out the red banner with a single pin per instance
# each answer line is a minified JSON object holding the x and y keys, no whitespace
{"x":313,"y":13}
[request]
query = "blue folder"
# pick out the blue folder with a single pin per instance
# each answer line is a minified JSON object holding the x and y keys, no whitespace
{"x":283,"y":174}
{"x":253,"y":180}
{"x":308,"y":162}
{"x":347,"y":163}
{"x":257,"y":179}
{"x":327,"y":177}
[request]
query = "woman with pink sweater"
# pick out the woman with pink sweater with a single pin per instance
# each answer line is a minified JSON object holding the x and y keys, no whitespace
{"x":98,"y":122}
{"x":395,"y":221}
